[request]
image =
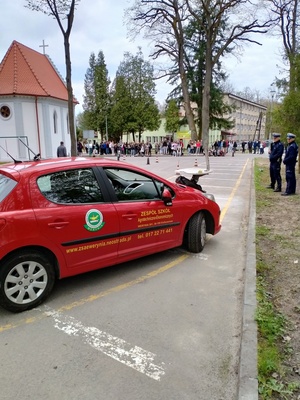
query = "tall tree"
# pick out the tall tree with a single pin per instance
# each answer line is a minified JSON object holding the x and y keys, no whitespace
{"x":195,"y":51}
{"x":135,"y":88}
{"x":96,"y":101}
{"x":225,"y":24}
{"x":62,"y":10}
{"x":163,"y":22}
{"x":89,"y":98}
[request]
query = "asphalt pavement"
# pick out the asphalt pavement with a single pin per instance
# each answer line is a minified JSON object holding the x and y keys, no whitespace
{"x":189,"y":317}
{"x":214,"y":182}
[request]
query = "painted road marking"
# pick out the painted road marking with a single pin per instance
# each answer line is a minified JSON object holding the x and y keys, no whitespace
{"x":225,"y":209}
{"x":97,"y":296}
{"x":112,"y":346}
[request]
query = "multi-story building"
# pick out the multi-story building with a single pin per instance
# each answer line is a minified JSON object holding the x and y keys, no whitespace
{"x":249,"y":119}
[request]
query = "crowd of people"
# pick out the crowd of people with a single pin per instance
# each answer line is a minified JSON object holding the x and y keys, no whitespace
{"x":132,"y":149}
{"x":167,"y":147}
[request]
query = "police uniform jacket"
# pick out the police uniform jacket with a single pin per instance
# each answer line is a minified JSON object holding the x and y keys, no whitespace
{"x":276,"y":153}
{"x":291,"y":155}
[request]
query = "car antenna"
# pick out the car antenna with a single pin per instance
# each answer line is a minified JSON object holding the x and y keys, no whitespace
{"x":14,"y":160}
{"x":36,"y":157}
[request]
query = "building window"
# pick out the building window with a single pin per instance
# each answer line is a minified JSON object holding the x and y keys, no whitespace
{"x":55,"y":121}
{"x":5,"y":111}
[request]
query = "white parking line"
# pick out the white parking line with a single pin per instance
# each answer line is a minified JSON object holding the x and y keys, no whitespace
{"x":114,"y":347}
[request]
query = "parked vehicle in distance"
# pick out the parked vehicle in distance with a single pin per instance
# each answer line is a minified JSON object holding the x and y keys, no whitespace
{"x":66,"y":216}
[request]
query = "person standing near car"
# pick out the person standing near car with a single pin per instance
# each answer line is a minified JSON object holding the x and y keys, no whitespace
{"x":61,"y":150}
{"x":289,"y":161}
{"x":275,"y":163}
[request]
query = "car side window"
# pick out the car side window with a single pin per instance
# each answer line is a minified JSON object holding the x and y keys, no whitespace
{"x":133,"y":186}
{"x":71,"y":186}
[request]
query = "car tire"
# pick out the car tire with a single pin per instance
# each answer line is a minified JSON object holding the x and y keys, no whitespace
{"x":26,"y":279}
{"x":196,"y":233}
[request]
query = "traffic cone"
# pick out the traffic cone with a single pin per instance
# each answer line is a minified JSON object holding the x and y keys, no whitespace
{"x":196,"y":163}
{"x":156,"y":159}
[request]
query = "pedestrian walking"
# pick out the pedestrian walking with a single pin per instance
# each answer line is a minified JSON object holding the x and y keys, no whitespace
{"x":61,"y":150}
{"x":234,"y":148}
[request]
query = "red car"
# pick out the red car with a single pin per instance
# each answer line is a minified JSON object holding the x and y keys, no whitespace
{"x":63,"y":217}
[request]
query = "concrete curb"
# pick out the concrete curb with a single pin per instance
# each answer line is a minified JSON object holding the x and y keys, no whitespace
{"x":248,"y":383}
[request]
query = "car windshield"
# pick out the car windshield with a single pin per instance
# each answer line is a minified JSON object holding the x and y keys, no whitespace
{"x":6,"y":186}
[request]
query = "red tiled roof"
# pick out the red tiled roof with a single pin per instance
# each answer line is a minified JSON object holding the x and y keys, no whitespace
{"x":24,"y":71}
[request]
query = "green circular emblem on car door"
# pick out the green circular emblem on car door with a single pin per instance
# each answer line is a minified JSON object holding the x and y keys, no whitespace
{"x":94,"y":220}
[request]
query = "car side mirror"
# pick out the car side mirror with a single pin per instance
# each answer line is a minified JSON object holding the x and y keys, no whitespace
{"x":167,"y":197}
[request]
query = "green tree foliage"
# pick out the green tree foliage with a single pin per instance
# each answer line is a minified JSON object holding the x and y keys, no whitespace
{"x":96,"y":103}
{"x":62,"y":10}
{"x":173,"y":121}
{"x":286,"y":115}
{"x":133,"y":97}
{"x":122,"y":107}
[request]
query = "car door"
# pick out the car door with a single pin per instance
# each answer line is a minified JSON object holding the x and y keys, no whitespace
{"x":75,"y":219}
{"x":147,"y":225}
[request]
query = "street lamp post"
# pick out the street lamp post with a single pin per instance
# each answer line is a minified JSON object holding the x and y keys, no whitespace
{"x":106,"y":131}
{"x":271,"y":110}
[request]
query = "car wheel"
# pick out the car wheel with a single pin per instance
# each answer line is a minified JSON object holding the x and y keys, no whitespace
{"x":196,"y":233}
{"x":26,"y":279}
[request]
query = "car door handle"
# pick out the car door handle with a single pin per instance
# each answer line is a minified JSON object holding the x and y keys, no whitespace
{"x":58,"y":224}
{"x":129,"y":216}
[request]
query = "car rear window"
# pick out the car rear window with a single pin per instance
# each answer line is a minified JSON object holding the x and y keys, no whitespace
{"x":6,"y":186}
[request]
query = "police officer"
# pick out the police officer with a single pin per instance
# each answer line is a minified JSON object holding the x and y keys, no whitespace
{"x":290,"y":163}
{"x":275,"y":163}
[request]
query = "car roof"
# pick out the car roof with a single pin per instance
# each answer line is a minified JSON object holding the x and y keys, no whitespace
{"x":27,"y":167}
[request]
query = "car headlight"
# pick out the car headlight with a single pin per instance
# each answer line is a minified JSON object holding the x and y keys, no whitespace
{"x":209,"y":196}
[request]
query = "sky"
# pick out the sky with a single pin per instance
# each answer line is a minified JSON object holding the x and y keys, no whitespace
{"x":98,"y":26}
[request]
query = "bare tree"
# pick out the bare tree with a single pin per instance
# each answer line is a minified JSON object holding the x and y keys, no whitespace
{"x":62,"y":10}
{"x":285,"y":15}
{"x":163,"y":22}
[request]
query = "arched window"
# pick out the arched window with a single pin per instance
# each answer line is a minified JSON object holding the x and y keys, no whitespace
{"x":55,"y":121}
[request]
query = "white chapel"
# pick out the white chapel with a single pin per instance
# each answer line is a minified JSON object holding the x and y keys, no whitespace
{"x":33,"y":105}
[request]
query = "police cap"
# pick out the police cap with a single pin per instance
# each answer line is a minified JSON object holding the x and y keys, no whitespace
{"x":290,"y":136}
{"x":276,"y":135}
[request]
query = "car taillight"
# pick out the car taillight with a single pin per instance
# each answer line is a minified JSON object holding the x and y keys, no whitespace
{"x":2,"y":223}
